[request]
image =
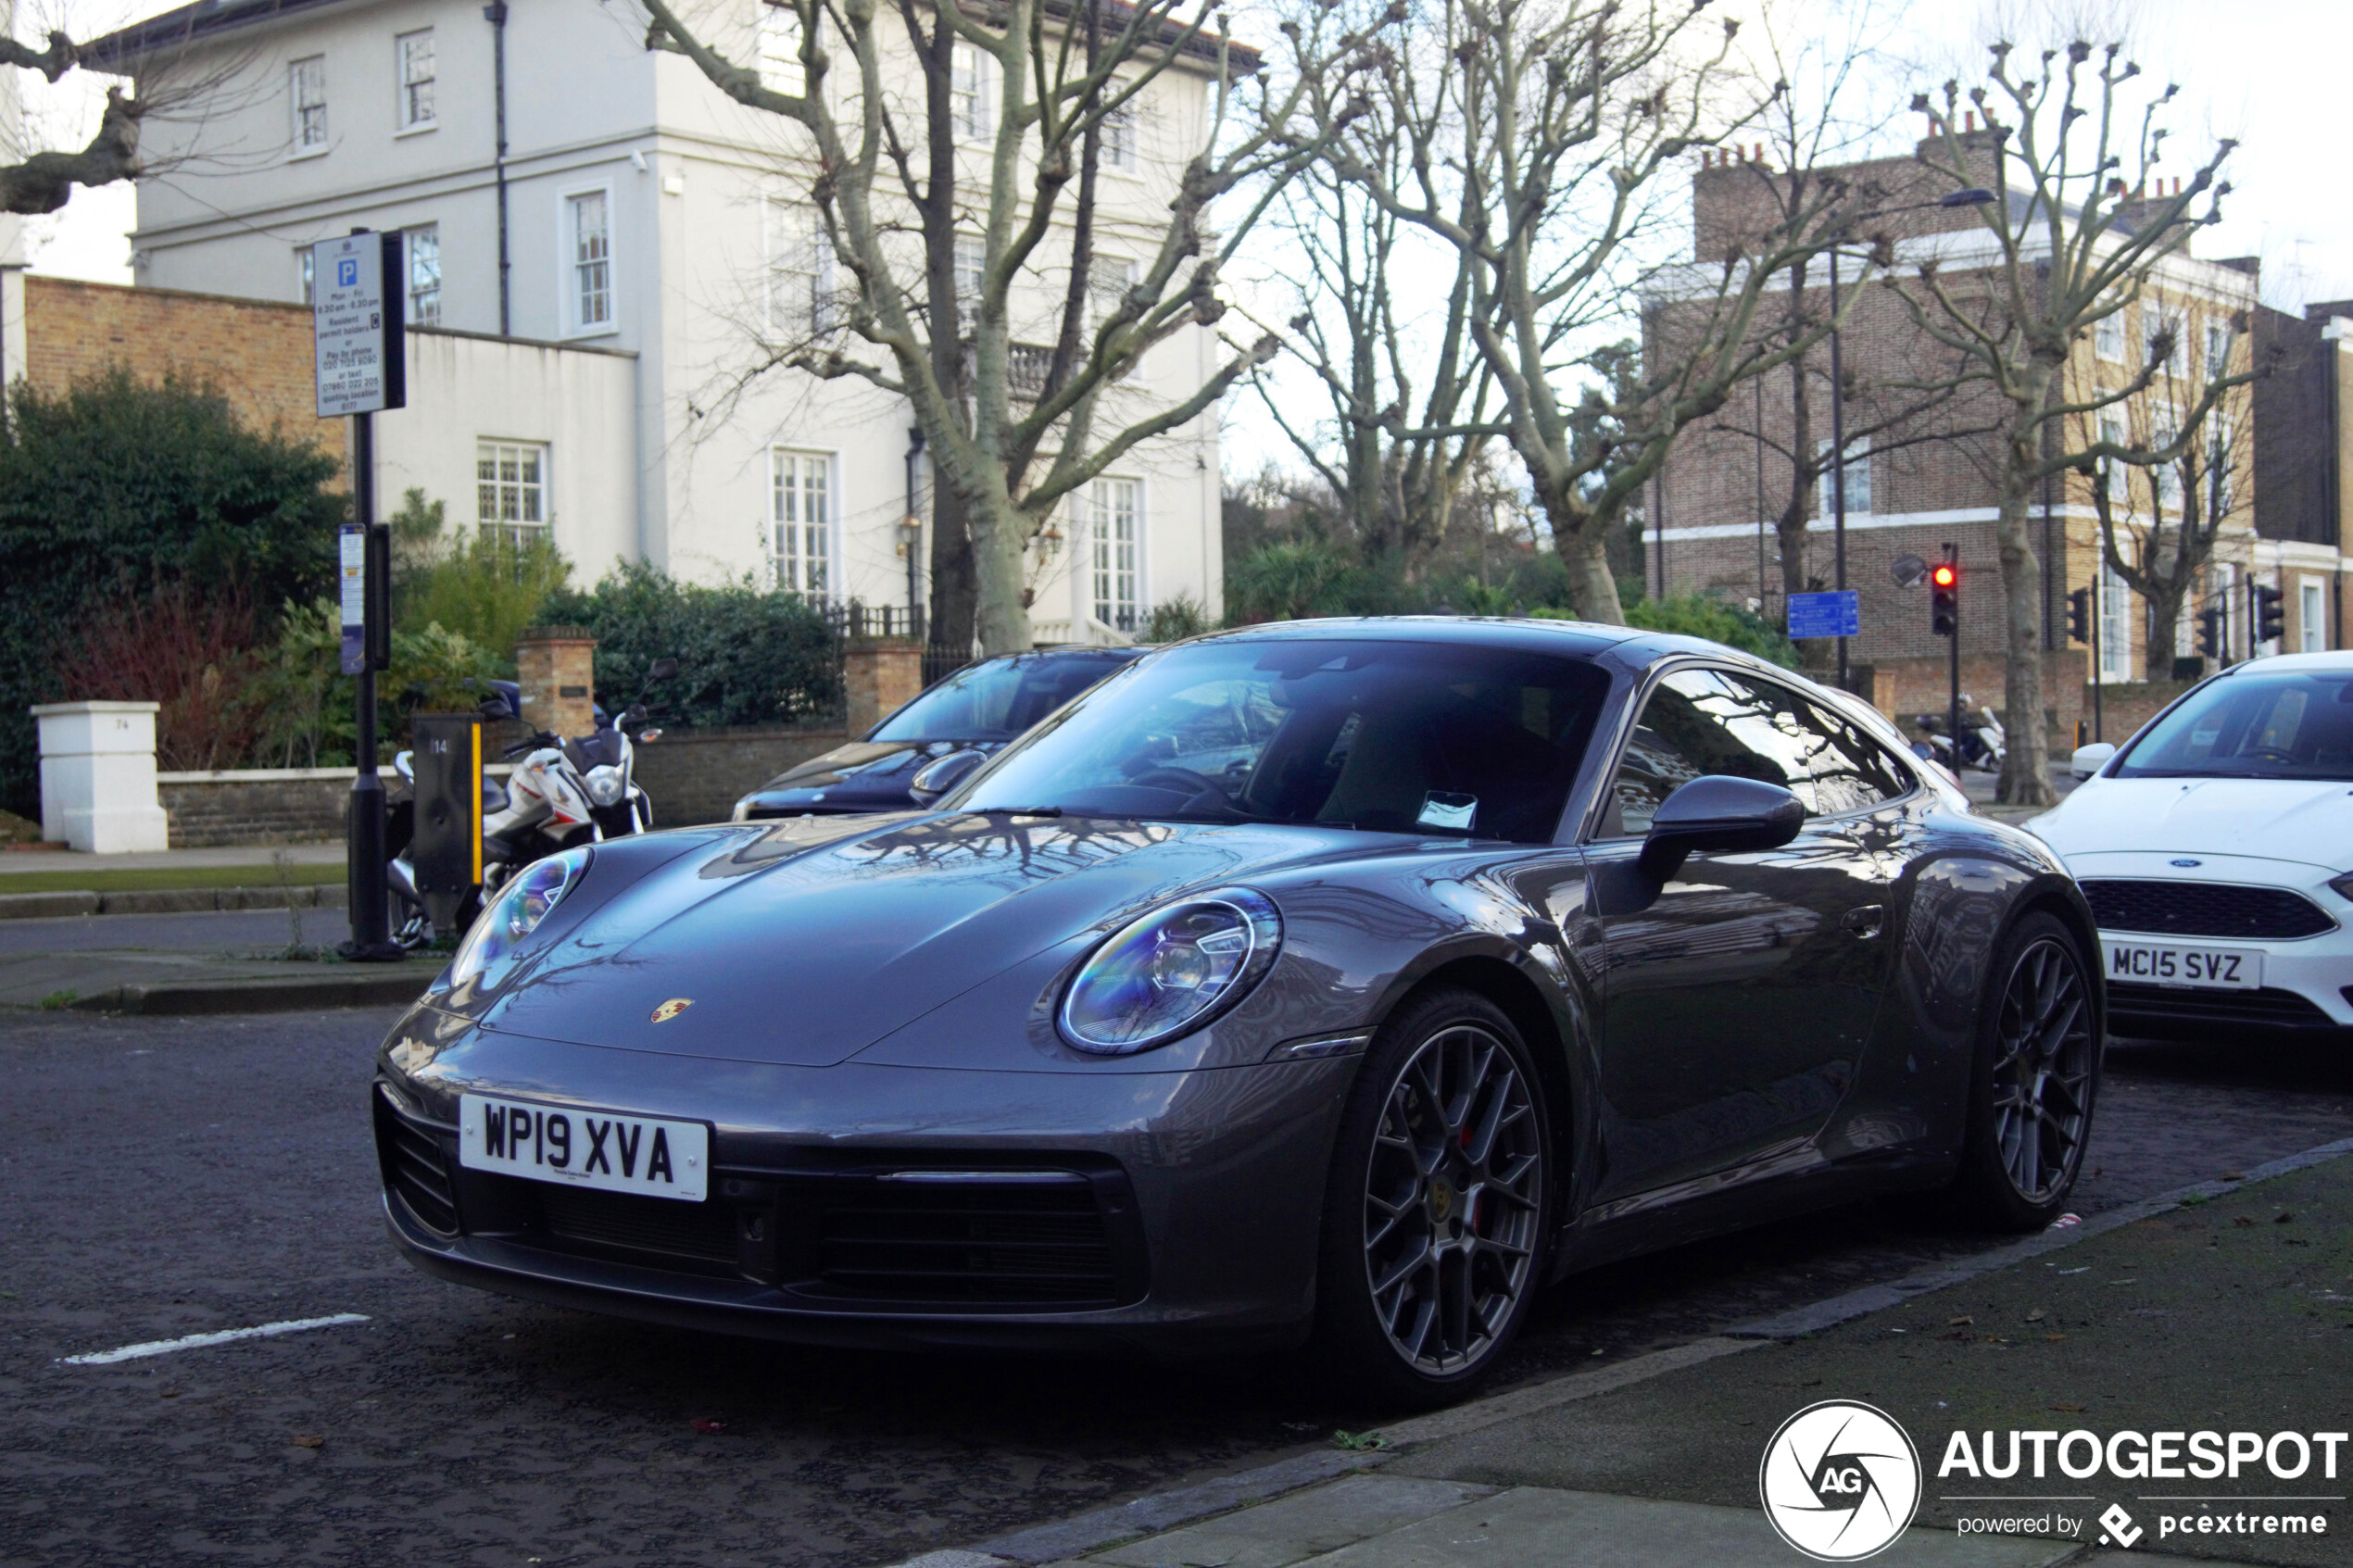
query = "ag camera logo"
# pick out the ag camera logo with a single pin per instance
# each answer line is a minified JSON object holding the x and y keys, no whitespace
{"x":1840,"y":1481}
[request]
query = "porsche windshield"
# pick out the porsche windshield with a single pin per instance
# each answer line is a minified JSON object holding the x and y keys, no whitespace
{"x":2295,"y":724}
{"x":1445,"y":739}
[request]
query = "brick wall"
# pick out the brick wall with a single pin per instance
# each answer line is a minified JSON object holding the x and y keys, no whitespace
{"x":1904,"y":688}
{"x":698,"y":776}
{"x":263,"y":806}
{"x":2125,"y":705}
{"x":258,"y":354}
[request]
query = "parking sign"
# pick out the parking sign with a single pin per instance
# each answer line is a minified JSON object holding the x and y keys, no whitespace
{"x":356,"y":320}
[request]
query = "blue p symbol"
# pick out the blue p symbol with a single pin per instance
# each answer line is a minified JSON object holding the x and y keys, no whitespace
{"x":347,"y":273}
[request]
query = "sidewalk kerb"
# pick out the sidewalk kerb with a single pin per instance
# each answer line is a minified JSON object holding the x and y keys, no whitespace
{"x":1103,"y":1527}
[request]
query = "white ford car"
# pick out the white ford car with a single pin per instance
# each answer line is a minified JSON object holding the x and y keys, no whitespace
{"x":2217,"y":851}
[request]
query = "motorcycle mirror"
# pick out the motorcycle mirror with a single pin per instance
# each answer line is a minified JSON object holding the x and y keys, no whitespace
{"x":664,"y":668}
{"x":495,"y":706}
{"x":646,"y":737}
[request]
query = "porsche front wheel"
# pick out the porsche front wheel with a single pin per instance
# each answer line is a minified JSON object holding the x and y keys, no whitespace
{"x":1437,"y":1206}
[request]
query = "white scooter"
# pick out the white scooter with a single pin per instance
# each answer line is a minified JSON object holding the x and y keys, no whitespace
{"x":563,"y":791}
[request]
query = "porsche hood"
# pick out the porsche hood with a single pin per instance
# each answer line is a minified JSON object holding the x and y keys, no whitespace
{"x":804,"y":942}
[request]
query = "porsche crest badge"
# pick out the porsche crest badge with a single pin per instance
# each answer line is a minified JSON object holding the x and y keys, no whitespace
{"x":671,"y":1009}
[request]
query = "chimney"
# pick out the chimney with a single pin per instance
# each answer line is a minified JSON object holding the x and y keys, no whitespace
{"x":1969,"y":120}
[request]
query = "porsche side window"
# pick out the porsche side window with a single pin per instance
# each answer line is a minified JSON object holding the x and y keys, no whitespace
{"x":1700,"y":722}
{"x":1852,"y":772}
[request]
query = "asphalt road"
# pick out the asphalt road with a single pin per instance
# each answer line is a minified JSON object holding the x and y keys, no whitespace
{"x":240,"y":932}
{"x":164,"y":1177}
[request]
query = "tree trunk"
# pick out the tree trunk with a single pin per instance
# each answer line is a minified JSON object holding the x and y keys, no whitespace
{"x":2026,"y":772}
{"x":1590,"y":582}
{"x":1000,"y":617}
{"x":954,"y":587}
{"x":2165,"y":617}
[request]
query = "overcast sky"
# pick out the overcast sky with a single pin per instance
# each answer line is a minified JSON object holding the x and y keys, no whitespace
{"x":2272,"y":73}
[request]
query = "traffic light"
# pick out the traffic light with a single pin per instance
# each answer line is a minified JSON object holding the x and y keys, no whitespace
{"x":1945,"y":598}
{"x":2209,"y":633}
{"x":2078,"y":615}
{"x":2270,"y":614}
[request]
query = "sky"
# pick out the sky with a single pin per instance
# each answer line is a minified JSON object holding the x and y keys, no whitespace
{"x":2271,"y":73}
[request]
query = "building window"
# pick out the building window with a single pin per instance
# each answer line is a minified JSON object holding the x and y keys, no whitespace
{"x":971,"y":267}
{"x":304,"y":259}
{"x":424,"y":276}
{"x":1117,"y":505}
{"x":2112,"y":435}
{"x":1119,"y":137}
{"x":2116,"y":631}
{"x":414,"y":51}
{"x":1858,"y":482}
{"x":308,"y":81}
{"x":1108,"y":282}
{"x":801,"y":518}
{"x":510,"y":489}
{"x":800,"y":271}
{"x":2313,"y":618}
{"x":2108,"y":337}
{"x":780,"y":66}
{"x":968,"y":111}
{"x":591,"y":259}
{"x":2166,"y":476}
{"x":2218,"y":350}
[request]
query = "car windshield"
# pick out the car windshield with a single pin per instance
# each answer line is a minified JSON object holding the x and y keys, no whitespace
{"x":2295,"y":724}
{"x":997,"y":700}
{"x":1423,"y":738}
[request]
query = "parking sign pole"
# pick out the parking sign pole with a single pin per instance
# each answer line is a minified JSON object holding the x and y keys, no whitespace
{"x":361,"y":345}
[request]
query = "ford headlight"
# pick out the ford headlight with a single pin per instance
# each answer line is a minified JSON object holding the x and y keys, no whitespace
{"x":1171,"y":972}
{"x":490,"y":946}
{"x":605,"y":785}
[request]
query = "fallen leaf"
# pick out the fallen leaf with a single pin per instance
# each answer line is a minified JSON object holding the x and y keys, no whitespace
{"x":2072,"y":1410}
{"x":1963,"y":1321}
{"x":2037,"y":1315}
{"x":2053,"y":1339}
{"x":2243,"y":1220}
{"x":2284,"y":1217}
{"x":309,"y":1440}
{"x":167,"y":1394}
{"x":1358,"y":1442}
{"x":703,"y":1423}
{"x":1811,"y":1383}
{"x":2234,"y":1175}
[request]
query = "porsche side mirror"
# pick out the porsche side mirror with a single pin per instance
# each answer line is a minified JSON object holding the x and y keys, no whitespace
{"x":935,"y":779}
{"x":1718,"y":812}
{"x":2090,"y":759}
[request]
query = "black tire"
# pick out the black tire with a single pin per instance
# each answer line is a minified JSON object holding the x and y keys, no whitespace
{"x":2034,"y":1083}
{"x":1441,"y":1185}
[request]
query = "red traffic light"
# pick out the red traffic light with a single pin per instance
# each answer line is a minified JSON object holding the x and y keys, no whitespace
{"x":1944,"y":575}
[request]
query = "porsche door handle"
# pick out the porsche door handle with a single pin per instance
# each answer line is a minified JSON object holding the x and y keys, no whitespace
{"x":1864,"y":921}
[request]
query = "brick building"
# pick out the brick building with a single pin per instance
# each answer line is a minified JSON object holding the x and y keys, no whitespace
{"x":1922,"y":467}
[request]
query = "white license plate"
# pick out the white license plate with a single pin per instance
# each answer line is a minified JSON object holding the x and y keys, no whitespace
{"x":588,"y":1149}
{"x":2182,"y":963}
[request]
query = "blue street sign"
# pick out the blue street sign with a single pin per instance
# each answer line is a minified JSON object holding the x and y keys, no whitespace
{"x":1825,"y":615}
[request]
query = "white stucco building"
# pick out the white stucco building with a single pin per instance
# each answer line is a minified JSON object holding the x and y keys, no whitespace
{"x":641,"y":211}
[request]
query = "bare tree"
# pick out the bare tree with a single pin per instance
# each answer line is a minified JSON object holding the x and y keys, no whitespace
{"x":44,"y":181}
{"x":2170,"y":522}
{"x":1535,"y":132}
{"x":2072,"y":246}
{"x":938,"y":274}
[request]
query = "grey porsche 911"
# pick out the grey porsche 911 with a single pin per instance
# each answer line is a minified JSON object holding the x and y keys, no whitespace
{"x":1343,"y":982}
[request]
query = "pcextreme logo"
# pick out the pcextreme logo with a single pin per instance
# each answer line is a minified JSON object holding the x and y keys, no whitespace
{"x":1840,"y":1481}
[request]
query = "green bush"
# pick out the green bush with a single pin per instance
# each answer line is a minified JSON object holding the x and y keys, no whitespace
{"x":117,"y":488}
{"x":483,"y":585}
{"x":1175,"y":620}
{"x":1704,"y":615}
{"x":746,"y":656}
{"x":312,"y":706}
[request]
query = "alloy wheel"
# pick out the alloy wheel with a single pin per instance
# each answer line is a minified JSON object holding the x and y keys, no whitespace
{"x":2043,"y":1056}
{"x":1452,"y":1201}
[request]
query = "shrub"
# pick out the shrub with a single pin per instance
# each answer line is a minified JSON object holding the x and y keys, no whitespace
{"x":480,"y":585}
{"x":746,"y":655}
{"x":192,"y":655}
{"x":1175,"y":620}
{"x":312,"y":708}
{"x":1704,"y":615}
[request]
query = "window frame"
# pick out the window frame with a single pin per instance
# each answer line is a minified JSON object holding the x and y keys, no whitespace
{"x":2108,"y":337}
{"x":1137,"y":580}
{"x":568,"y":263}
{"x":2311,"y":613}
{"x":1588,"y":833}
{"x":775,"y":23}
{"x":306,"y":277}
{"x":973,"y":122}
{"x":2115,"y":610}
{"x":795,"y":254}
{"x":298,"y":147}
{"x":431,"y":231}
{"x":1825,"y":496}
{"x":406,"y":124}
{"x":828,"y":463}
{"x":525,"y":529}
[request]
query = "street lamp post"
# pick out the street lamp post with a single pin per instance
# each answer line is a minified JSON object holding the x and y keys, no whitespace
{"x":1970,"y":197}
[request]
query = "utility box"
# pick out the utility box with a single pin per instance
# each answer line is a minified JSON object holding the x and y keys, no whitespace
{"x":98,"y":777}
{"x":446,"y":847}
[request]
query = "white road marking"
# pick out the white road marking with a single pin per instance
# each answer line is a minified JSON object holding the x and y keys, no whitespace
{"x":198,"y":1341}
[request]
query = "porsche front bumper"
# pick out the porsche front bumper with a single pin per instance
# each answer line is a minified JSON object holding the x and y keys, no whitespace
{"x":854,"y":1204}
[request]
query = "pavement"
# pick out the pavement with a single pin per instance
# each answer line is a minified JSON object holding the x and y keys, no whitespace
{"x":2227,"y":1308}
{"x":222,"y":962}
{"x":49,"y":861}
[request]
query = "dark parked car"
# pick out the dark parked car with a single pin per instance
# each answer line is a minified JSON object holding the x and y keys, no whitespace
{"x":981,"y":708}
{"x":1343,"y":980}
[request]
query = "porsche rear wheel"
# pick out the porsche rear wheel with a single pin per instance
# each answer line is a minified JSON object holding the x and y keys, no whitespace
{"x":1436,"y":1207}
{"x":2034,"y":1083}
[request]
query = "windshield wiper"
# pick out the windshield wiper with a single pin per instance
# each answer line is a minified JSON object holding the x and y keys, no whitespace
{"x":1026,"y":810}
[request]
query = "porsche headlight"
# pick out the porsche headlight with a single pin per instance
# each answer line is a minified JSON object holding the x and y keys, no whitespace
{"x":1171,"y":972}
{"x":605,"y":785}
{"x":515,"y":914}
